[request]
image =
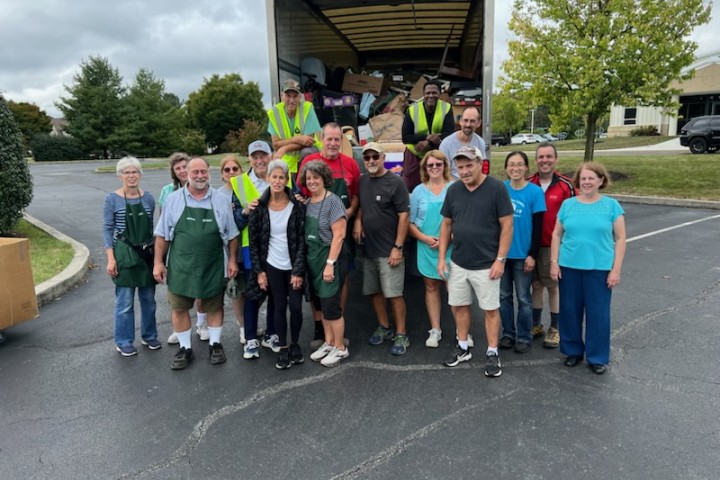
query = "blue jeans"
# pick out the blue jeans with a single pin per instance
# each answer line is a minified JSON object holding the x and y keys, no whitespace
{"x":125,"y":314}
{"x":522,"y":280}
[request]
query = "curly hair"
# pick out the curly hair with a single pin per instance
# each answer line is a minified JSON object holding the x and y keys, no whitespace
{"x":319,"y":168}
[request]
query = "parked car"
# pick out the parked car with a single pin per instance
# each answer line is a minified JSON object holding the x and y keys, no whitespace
{"x":539,"y":138}
{"x":524,"y":138}
{"x":499,"y":140}
{"x":549,"y":137}
{"x":701,"y":134}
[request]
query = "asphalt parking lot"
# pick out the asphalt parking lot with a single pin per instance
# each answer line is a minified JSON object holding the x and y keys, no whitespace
{"x":73,"y":408}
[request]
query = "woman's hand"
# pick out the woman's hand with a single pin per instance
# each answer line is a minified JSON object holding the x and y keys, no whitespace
{"x":296,"y":282}
{"x":262,"y":280}
{"x":432,"y":242}
{"x":329,"y":273}
{"x":112,"y":268}
{"x":613,"y":278}
{"x":555,"y":271}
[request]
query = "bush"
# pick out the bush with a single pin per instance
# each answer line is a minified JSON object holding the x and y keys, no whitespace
{"x":16,"y":185}
{"x":646,"y":131}
{"x":239,"y":140}
{"x":193,"y":142}
{"x":52,"y":148}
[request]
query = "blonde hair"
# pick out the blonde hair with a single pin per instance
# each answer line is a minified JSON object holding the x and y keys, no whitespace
{"x":437,"y":154}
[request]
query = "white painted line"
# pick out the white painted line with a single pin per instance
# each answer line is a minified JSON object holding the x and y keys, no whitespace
{"x":663,"y":230}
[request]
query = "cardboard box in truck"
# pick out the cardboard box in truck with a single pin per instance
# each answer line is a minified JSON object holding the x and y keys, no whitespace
{"x":17,"y":289}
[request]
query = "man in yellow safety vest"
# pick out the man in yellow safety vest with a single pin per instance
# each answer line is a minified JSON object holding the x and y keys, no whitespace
{"x":294,"y":127}
{"x":426,"y":124}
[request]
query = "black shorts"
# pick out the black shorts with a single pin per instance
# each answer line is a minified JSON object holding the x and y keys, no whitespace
{"x":330,"y":307}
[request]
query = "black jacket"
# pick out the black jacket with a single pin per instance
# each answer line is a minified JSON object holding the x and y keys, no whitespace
{"x":259,"y":233}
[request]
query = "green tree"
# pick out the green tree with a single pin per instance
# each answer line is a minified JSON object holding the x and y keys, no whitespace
{"x":30,"y":119}
{"x":16,"y":187}
{"x":224,"y":104}
{"x":580,"y":57}
{"x":94,"y":107}
{"x":154,"y":122}
{"x":508,"y":114}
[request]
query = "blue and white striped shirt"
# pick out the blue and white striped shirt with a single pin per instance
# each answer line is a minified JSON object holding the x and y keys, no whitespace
{"x":114,"y":215}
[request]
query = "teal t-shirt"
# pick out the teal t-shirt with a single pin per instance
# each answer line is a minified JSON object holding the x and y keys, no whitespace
{"x":312,"y":125}
{"x":527,"y":201}
{"x":588,"y":242}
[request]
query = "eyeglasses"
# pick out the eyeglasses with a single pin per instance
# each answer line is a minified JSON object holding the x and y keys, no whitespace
{"x":367,"y":158}
{"x":131,"y":172}
{"x":434,"y":165}
{"x":231,"y":169}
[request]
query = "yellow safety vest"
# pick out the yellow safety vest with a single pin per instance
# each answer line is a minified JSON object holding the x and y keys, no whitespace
{"x":245,"y":193}
{"x":421,"y":127}
{"x":283,"y":129}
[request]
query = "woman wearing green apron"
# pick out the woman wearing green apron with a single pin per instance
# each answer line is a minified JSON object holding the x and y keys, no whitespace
{"x":325,"y":227}
{"x":127,"y":226}
{"x":425,"y":219}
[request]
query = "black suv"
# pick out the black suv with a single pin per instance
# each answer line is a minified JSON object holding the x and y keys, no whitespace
{"x":701,"y":134}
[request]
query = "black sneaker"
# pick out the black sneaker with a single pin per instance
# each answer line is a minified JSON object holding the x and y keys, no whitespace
{"x":458,"y":356}
{"x":182,"y":359}
{"x":217,"y":354}
{"x":493,"y":368}
{"x":506,"y":343}
{"x":522,"y":347}
{"x":283,"y":361}
{"x":296,"y":355}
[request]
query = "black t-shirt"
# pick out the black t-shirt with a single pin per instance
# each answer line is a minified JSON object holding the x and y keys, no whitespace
{"x":475,"y":225}
{"x":381,"y":200}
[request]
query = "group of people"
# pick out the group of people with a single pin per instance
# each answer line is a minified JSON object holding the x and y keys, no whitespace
{"x":288,"y":229}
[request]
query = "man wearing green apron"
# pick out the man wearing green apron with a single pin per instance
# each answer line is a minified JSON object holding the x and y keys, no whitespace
{"x":346,"y":176}
{"x":197,"y":230}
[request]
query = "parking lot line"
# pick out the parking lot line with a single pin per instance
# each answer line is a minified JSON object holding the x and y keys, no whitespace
{"x":663,"y":230}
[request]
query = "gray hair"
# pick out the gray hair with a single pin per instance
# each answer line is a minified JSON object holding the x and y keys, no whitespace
{"x":126,"y":162}
{"x":278,"y":164}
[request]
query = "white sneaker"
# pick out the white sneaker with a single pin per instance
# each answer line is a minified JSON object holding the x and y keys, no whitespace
{"x":242,"y":336}
{"x":173,"y":339}
{"x":251,"y":350}
{"x":321,"y":352}
{"x":334,"y":357}
{"x":203,"y":332}
{"x":433,"y":339}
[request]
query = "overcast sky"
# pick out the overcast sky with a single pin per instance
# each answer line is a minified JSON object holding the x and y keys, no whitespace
{"x":181,"y":41}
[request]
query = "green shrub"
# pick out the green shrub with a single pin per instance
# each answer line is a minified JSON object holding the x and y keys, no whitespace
{"x":239,"y":140}
{"x":52,"y":148}
{"x":16,"y":187}
{"x":645,"y":131}
{"x":193,"y":142}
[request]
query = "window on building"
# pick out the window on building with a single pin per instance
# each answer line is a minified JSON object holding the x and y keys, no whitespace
{"x":630,"y":116}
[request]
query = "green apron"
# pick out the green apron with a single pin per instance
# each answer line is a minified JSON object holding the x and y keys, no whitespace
{"x":339,"y":188}
{"x":133,"y":271}
{"x":196,"y":262}
{"x":317,"y":256}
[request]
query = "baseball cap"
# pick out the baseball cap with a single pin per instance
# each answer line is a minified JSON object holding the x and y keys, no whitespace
{"x":259,"y":146}
{"x":469,"y":152}
{"x":373,"y":146}
{"x":291,"y":85}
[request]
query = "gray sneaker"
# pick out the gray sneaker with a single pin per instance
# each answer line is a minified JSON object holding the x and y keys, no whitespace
{"x":458,"y":356}
{"x":380,"y":335}
{"x":400,"y":344}
{"x":272,"y":342}
{"x":493,"y":367}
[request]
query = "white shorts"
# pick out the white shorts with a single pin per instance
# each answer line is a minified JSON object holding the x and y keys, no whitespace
{"x":462,"y":283}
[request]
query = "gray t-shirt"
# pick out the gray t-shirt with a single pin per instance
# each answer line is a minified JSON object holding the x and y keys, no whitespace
{"x":475,"y":226}
{"x":327,"y":212}
{"x":452,"y":144}
{"x":381,"y":200}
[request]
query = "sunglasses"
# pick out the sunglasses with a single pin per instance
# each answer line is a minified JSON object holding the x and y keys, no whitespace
{"x":367,"y":158}
{"x":434,"y":165}
{"x":231,"y":169}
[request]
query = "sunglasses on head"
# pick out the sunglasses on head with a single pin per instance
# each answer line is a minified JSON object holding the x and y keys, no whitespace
{"x":231,"y":169}
{"x":375,"y":156}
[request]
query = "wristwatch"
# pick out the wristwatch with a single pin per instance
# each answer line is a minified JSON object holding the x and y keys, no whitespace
{"x":501,"y":259}
{"x":331,"y":262}
{"x":398,"y":246}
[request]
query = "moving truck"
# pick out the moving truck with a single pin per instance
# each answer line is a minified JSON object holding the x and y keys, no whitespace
{"x":339,"y":41}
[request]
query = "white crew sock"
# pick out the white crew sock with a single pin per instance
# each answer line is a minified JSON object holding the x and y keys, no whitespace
{"x":214,"y":334}
{"x":463,"y":344}
{"x":184,"y":338}
{"x":201,"y":319}
{"x":492,"y":351}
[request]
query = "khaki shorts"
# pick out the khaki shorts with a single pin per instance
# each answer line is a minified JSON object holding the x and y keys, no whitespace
{"x":210,"y":305}
{"x":378,"y":276}
{"x":541,"y":273}
{"x":462,"y":283}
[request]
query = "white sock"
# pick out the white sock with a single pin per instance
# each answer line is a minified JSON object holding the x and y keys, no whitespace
{"x":463,"y":344}
{"x":214,"y":334}
{"x":242,"y":332}
{"x":184,"y":338}
{"x":492,"y":351}
{"x":201,"y":319}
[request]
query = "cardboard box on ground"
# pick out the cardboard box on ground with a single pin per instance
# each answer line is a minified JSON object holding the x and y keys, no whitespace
{"x":18,"y":302}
